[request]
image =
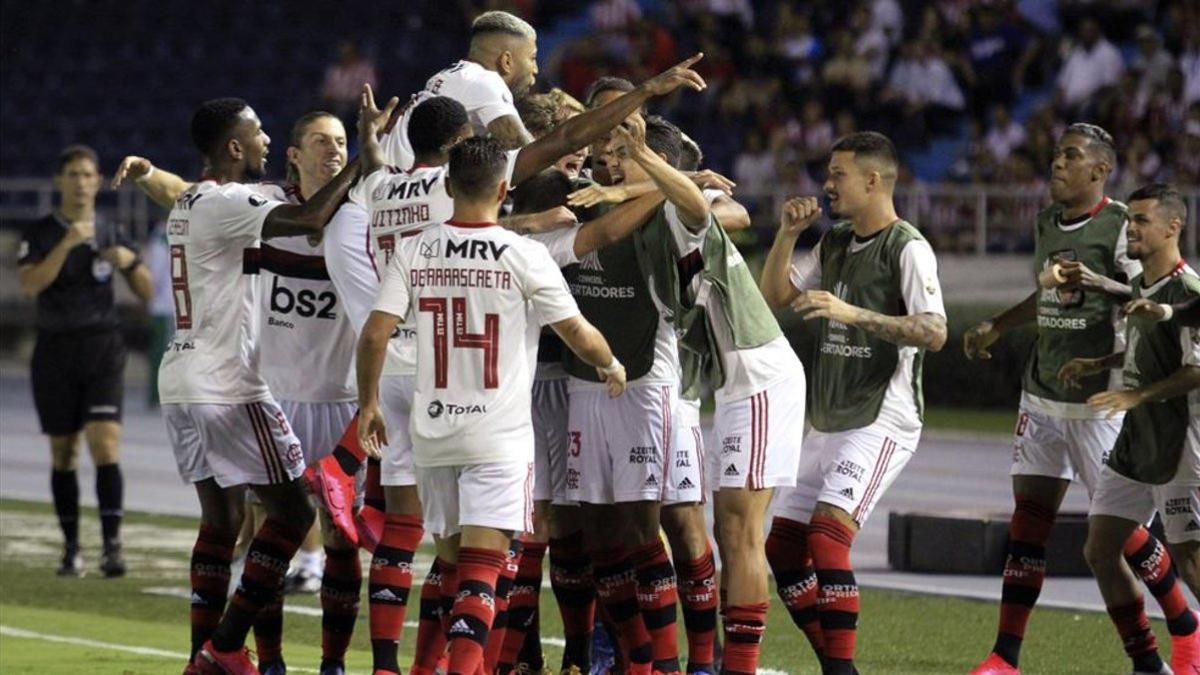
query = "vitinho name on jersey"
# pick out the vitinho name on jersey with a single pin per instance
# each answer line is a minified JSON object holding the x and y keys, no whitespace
{"x":408,"y":214}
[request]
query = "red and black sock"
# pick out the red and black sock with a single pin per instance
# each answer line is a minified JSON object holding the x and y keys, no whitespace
{"x":110,"y":489}
{"x":1151,"y":561}
{"x":829,"y":543}
{"x":64,"y":487}
{"x":431,"y":636}
{"x":389,"y":583}
{"x":211,"y":558}
{"x":744,"y":627}
{"x":575,"y":592}
{"x":658,"y":596}
{"x":268,"y":631}
{"x":373,"y":490}
{"x":796,"y":578}
{"x":523,"y":605}
{"x":262,"y":578}
{"x":616,"y":588}
{"x":504,"y":584}
{"x":341,"y":585}
{"x":473,"y":610}
{"x":698,"y":596}
{"x":1024,"y":573}
{"x":1134,"y":627}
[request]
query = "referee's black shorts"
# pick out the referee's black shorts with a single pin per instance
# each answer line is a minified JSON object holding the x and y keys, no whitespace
{"x":78,"y":377}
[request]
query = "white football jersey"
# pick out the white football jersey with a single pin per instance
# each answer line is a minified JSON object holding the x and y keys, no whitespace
{"x":400,"y":204}
{"x":482,"y":92}
{"x":479,"y":295}
{"x":350,"y":259}
{"x":213,"y":233}
{"x":307,"y":345}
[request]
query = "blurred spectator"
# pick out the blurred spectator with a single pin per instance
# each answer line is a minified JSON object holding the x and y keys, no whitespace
{"x":754,"y":167}
{"x":846,"y":71}
{"x":1151,"y":63}
{"x":798,"y":45}
{"x":1004,"y":136}
{"x":1092,"y":64}
{"x":887,"y":16}
{"x":614,"y":15}
{"x":998,"y":53}
{"x":1189,"y":63}
{"x":872,"y":44}
{"x":344,"y":80}
{"x":736,"y":10}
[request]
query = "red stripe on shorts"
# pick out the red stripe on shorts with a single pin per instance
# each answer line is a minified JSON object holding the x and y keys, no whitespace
{"x":256,"y":425}
{"x":876,"y":476}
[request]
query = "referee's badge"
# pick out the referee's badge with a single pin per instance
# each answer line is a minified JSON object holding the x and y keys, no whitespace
{"x":102,"y":270}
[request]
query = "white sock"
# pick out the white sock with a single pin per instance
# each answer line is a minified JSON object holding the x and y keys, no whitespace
{"x":310,"y":561}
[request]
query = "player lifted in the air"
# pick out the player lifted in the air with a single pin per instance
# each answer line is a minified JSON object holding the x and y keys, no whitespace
{"x":223,"y":423}
{"x":872,"y":282}
{"x":1083,"y":272}
{"x":478,"y":293}
{"x":1155,"y":462}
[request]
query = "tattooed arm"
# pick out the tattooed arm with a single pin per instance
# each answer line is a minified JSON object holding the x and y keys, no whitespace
{"x":926,"y":330}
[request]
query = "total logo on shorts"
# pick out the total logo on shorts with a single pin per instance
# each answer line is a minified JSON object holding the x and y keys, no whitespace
{"x":437,"y":408}
{"x":731,"y":445}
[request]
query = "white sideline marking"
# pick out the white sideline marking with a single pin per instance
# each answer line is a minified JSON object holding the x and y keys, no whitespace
{"x":111,"y":646}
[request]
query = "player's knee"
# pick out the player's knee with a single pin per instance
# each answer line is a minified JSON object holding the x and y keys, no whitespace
{"x":64,"y":452}
{"x":1186,"y":556}
{"x":1101,"y":552}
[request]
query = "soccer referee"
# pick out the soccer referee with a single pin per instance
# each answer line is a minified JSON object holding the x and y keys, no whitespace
{"x":68,"y":260}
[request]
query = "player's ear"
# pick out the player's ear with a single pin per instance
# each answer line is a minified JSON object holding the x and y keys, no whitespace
{"x":292,"y":153}
{"x":504,"y":62}
{"x":450,"y":189}
{"x":502,"y":192}
{"x":234,"y":147}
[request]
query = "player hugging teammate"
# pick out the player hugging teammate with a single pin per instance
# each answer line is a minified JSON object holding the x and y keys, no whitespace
{"x":614,"y":268}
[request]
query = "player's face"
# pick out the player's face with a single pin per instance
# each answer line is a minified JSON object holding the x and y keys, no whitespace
{"x":572,"y":163}
{"x":1073,"y":170}
{"x":524,"y":67}
{"x":322,"y":151}
{"x":846,"y":185}
{"x":254,"y":143}
{"x":1149,"y":228}
{"x":78,"y":182}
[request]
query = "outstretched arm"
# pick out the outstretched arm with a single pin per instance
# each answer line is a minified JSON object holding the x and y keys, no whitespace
{"x":677,"y":188}
{"x":1174,"y":385}
{"x":979,"y":338}
{"x":1187,"y":312}
{"x":372,"y":350}
{"x":582,"y":130}
{"x":616,"y":224}
{"x":311,"y":217}
{"x":369,"y":119}
{"x":511,"y":133}
{"x":587,"y":343}
{"x":160,"y":185}
{"x":926,"y":330}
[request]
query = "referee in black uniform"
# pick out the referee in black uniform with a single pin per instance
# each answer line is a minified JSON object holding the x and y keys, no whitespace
{"x":68,"y":260}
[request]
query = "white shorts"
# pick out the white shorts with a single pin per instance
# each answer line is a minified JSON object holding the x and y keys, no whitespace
{"x":685,"y":469}
{"x":395,"y":400}
{"x":617,"y":445}
{"x":234,"y":443}
{"x":319,"y":426}
{"x":760,"y":438}
{"x":1179,"y":505}
{"x":550,"y":441}
{"x":847,"y":469}
{"x":1061,"y":447}
{"x":497,"y":495}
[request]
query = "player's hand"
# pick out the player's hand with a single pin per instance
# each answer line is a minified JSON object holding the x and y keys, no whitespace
{"x":798,"y":214}
{"x":81,"y":231}
{"x":629,"y":138}
{"x":824,"y":305}
{"x":978,"y":339}
{"x":1114,"y":402}
{"x":711,"y":180}
{"x":1144,"y":308}
{"x":370,"y":118}
{"x":615,"y":379}
{"x":1078,"y":275}
{"x":1075,"y":369}
{"x":597,"y":194}
{"x":372,"y":432}
{"x":681,"y":75}
{"x":131,"y":168}
{"x":119,"y":257}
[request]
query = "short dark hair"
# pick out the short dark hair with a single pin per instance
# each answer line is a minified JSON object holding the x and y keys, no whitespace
{"x":537,"y":113}
{"x":547,"y":190}
{"x":664,"y":138}
{"x":213,"y":123}
{"x":1167,"y":196}
{"x":690,"y":156}
{"x":603,"y":84}
{"x":1100,"y":139}
{"x":476,"y":167}
{"x":434,"y":122}
{"x":870,"y":145}
{"x":76,"y":151}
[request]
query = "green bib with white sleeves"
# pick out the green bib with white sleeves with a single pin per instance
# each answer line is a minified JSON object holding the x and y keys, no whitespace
{"x":1073,"y":323}
{"x":853,"y":367}
{"x":1152,"y":437}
